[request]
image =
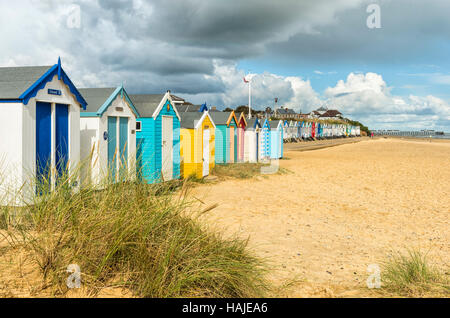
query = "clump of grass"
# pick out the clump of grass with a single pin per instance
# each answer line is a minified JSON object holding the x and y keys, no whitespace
{"x":241,"y":170}
{"x":411,"y":274}
{"x":135,"y":236}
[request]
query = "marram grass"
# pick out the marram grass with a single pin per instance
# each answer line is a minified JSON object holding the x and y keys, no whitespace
{"x":139,"y":237}
{"x":410,"y":274}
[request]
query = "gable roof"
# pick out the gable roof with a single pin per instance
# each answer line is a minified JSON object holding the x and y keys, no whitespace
{"x":240,"y":116}
{"x":191,"y":120}
{"x":223,"y":118}
{"x":285,"y":111}
{"x":23,"y":83}
{"x":149,"y":105}
{"x":331,"y":113}
{"x":99,"y":99}
{"x":16,"y":80}
{"x":252,"y":123}
{"x":146,"y":104}
{"x":188,"y":108}
{"x":275,"y":123}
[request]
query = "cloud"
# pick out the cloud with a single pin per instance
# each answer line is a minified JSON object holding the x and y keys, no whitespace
{"x":193,"y":47}
{"x":367,"y":97}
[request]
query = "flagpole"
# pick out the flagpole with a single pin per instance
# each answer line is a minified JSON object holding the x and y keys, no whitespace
{"x":250,"y":99}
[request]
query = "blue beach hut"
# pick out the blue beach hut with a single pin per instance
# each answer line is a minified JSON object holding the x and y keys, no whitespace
{"x":276,"y":139}
{"x":39,"y":128}
{"x":265,"y":140}
{"x":157,"y":137}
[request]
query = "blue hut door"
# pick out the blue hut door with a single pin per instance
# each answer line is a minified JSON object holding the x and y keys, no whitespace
{"x":167,"y":148}
{"x":43,"y":142}
{"x":62,"y":138}
{"x":112,"y":146}
{"x":123,"y":145}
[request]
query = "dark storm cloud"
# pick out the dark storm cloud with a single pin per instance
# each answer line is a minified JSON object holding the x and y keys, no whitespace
{"x":410,"y":30}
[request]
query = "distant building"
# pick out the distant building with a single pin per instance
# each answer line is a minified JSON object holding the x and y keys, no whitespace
{"x":314,"y":114}
{"x":322,"y":110}
{"x":286,"y":113}
{"x":325,"y":114}
{"x":331,"y":114}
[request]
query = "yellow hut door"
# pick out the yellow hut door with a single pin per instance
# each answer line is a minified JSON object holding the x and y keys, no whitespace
{"x":231,"y":144}
{"x":205,"y":152}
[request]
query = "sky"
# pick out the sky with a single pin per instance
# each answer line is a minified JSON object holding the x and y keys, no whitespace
{"x":306,"y":53}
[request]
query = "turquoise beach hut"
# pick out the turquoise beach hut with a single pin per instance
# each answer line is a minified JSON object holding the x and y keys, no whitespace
{"x":225,"y":136}
{"x":157,"y":138}
{"x":276,"y":139}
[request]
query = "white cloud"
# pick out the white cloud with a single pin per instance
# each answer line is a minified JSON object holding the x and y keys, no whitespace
{"x":367,"y":97}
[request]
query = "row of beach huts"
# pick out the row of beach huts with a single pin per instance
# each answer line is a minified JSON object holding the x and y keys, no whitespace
{"x":50,"y":127}
{"x":294,"y":131}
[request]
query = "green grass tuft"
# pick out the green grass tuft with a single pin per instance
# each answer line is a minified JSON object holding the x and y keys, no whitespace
{"x":411,"y":274}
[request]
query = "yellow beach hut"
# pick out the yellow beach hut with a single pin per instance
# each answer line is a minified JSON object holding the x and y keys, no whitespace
{"x":197,"y":138}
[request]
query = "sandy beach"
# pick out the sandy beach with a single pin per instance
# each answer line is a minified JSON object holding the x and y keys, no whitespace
{"x":319,"y":225}
{"x":338,"y":210}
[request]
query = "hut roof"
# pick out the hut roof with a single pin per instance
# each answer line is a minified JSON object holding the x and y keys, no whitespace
{"x":221,"y":118}
{"x":14,"y":81}
{"x":96,"y":97}
{"x":252,"y":123}
{"x":190,"y":119}
{"x":146,"y":104}
{"x":274,"y":123}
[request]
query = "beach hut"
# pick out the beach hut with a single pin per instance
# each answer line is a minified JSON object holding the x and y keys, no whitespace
{"x":240,"y":145}
{"x":276,"y":139}
{"x":225,"y":136}
{"x":252,"y":137}
{"x":291,"y":130}
{"x":157,"y":137}
{"x":107,"y":134}
{"x":286,"y":129}
{"x":39,"y":129}
{"x":303,"y":129}
{"x":265,"y":141}
{"x":197,"y":144}
{"x":313,"y":129}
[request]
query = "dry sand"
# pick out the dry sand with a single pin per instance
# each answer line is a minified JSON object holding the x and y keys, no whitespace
{"x":339,"y":210}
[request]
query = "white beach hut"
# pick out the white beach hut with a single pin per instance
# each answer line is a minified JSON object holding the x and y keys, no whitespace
{"x":108,"y":134}
{"x":252,"y":140}
{"x":39,"y":129}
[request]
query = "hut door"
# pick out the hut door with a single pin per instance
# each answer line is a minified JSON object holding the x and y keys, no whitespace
{"x":43,"y":142}
{"x":241,"y":144}
{"x":112,"y":146}
{"x":257,"y":146}
{"x":232,"y":144}
{"x":205,"y":152}
{"x":123,"y":146}
{"x":167,"y":147}
{"x":62,"y":138}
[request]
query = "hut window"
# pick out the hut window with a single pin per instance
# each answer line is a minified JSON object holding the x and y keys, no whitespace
{"x":138,"y":126}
